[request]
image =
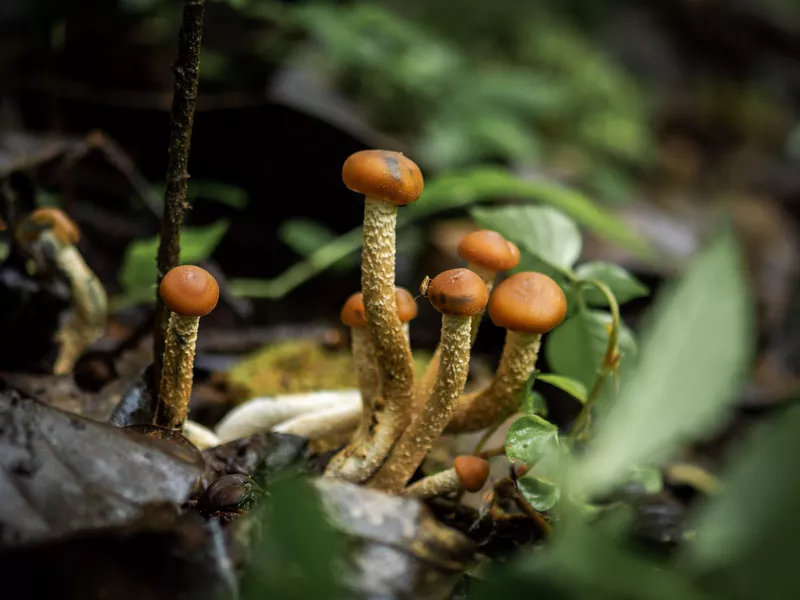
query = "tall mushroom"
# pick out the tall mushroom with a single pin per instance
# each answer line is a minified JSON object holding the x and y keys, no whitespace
{"x":388,"y":180}
{"x":527,"y":305}
{"x":487,"y":253}
{"x":364,"y":450}
{"x":459,"y":294}
{"x":55,"y":234}
{"x":190,"y":293}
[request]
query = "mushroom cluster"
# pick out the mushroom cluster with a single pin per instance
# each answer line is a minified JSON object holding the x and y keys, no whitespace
{"x":392,"y":422}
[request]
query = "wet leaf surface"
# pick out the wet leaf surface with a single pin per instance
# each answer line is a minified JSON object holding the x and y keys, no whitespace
{"x":160,"y":556}
{"x":399,"y":549}
{"x":60,"y":473}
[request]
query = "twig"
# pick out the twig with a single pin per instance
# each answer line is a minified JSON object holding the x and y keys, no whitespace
{"x":187,"y":71}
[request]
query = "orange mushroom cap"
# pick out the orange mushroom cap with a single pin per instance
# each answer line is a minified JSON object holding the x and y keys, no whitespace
{"x":64,"y":228}
{"x":458,"y":292}
{"x":382,"y":174}
{"x":472,"y":472}
{"x":406,"y":305}
{"x":353,"y":314}
{"x":528,"y":302}
{"x":489,"y":250}
{"x":514,"y":250}
{"x":189,"y":291}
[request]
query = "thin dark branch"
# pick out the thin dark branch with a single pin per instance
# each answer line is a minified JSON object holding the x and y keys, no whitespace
{"x":187,"y":71}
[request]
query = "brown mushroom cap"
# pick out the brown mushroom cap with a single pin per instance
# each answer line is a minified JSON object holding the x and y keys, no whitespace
{"x":458,"y":292}
{"x":528,"y":302}
{"x":189,"y":291}
{"x":406,"y":305}
{"x":489,"y":250}
{"x":514,"y":249}
{"x":472,"y":472}
{"x":64,"y":228}
{"x":382,"y":174}
{"x":353,"y":314}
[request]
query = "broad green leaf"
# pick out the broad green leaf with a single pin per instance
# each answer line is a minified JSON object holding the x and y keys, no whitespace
{"x":650,"y":479}
{"x":693,"y":357}
{"x":624,"y":285}
{"x":531,"y":438}
{"x":541,"y":230}
{"x":749,"y":535}
{"x":574,"y":388}
{"x":577,"y":347}
{"x":540,"y":493}
{"x":305,"y":236}
{"x":138,"y":272}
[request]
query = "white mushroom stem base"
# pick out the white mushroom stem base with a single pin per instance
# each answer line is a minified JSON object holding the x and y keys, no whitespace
{"x":324,"y":423}
{"x":263,"y":414}
{"x":441,"y":484}
{"x":502,"y":398}
{"x":417,"y":440}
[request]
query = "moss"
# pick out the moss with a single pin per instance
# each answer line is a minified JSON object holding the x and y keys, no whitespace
{"x":299,"y":366}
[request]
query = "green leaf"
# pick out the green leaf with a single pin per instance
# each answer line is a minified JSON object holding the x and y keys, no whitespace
{"x":749,"y":535}
{"x":216,"y":191}
{"x":624,"y":285}
{"x":305,"y":236}
{"x":541,"y":494}
{"x":574,"y":388}
{"x":577,"y":347}
{"x":649,"y":479}
{"x":693,"y":357}
{"x":543,"y":231}
{"x":531,"y":438}
{"x":534,"y":403}
{"x":138,"y":272}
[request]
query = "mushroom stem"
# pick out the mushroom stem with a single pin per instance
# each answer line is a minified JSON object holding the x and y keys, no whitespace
{"x":502,"y":397}
{"x":88,"y":319}
{"x":369,"y":382}
{"x":177,"y":371}
{"x":262,"y":414}
{"x":440,"y":484}
{"x":392,"y":408}
{"x":418,"y":438}
{"x":331,"y":421}
{"x":428,"y":380}
{"x":200,"y":436}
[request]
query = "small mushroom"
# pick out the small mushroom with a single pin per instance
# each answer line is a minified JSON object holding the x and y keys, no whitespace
{"x":190,"y":293}
{"x":368,"y":445}
{"x":469,"y":473}
{"x":388,"y":180}
{"x":527,"y":305}
{"x":52,"y":232}
{"x":459,"y":294}
{"x":487,"y":253}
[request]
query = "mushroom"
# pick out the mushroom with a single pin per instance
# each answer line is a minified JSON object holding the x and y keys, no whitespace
{"x":190,"y":293}
{"x":486,"y":252}
{"x":365,"y":450}
{"x":388,"y":180}
{"x":459,"y":294}
{"x":527,"y":305}
{"x":469,"y":473}
{"x":55,"y":234}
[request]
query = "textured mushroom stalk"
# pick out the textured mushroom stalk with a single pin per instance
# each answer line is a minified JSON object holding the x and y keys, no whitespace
{"x":369,"y":383}
{"x":502,"y":398}
{"x":469,"y":473}
{"x":190,"y":293}
{"x":458,"y":294}
{"x":90,"y":313}
{"x":527,"y":305}
{"x":177,"y":371}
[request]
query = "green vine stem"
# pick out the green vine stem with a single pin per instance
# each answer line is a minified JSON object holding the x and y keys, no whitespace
{"x":610,"y":361}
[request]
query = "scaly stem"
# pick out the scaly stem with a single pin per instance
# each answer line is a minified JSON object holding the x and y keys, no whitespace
{"x":580,"y":428}
{"x":187,"y":72}
{"x":488,"y":407}
{"x":417,"y":440}
{"x":392,"y":408}
{"x":440,"y":484}
{"x":178,"y":370}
